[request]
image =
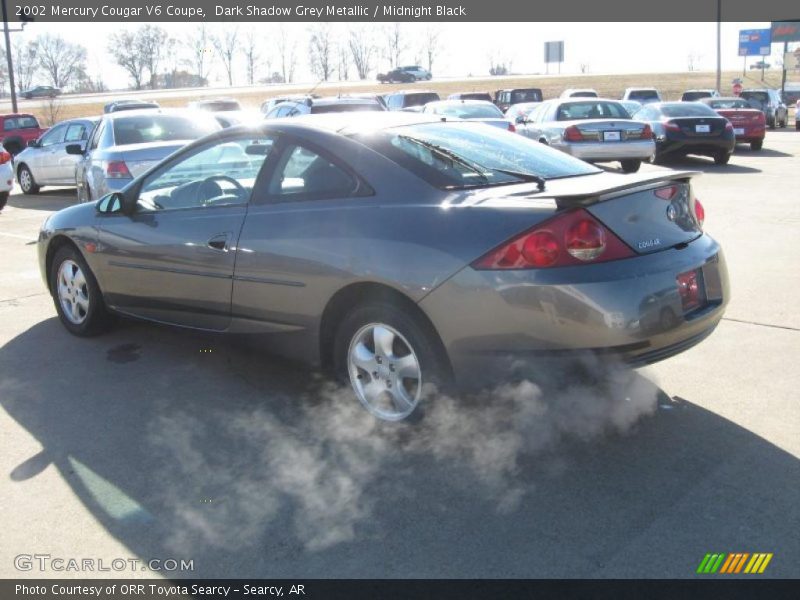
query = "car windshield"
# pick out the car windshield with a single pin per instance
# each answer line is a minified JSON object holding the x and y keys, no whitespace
{"x":142,"y":129}
{"x":518,"y":96}
{"x":729,"y":103}
{"x":345,"y":107}
{"x":584,"y":94}
{"x":591,"y":110}
{"x":692,"y":96}
{"x":462,"y":154}
{"x":643,"y":95}
{"x":475,"y":96}
{"x":688,"y":109}
{"x":469,"y":111}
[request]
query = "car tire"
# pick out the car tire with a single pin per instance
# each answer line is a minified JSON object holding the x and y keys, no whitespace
{"x":76,"y":295}
{"x":630,"y":165}
{"x":797,"y":125}
{"x":26,"y":181}
{"x":3,"y":199}
{"x":756,"y":145}
{"x":722,"y":158}
{"x":391,"y":398}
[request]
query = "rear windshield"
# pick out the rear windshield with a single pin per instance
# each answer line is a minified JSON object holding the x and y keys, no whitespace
{"x":462,"y":154}
{"x":419,"y":99}
{"x":692,"y":96}
{"x":476,"y":96}
{"x":762,"y":97}
{"x":643,"y":95}
{"x":733,"y":103}
{"x":532,"y":95}
{"x":336,"y":108}
{"x":591,"y":110}
{"x":142,"y":129}
{"x":469,"y":111}
{"x":221,"y":106}
{"x":25,"y":122}
{"x":689,"y":109}
{"x":586,"y":94}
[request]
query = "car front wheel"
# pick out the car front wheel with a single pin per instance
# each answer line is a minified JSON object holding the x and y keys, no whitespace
{"x":79,"y":302}
{"x":391,"y":361}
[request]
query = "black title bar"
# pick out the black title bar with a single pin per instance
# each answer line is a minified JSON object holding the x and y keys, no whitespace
{"x":405,"y":10}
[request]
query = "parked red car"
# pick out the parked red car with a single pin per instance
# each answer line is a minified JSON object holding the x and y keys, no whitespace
{"x":749,"y":124}
{"x":17,"y":129}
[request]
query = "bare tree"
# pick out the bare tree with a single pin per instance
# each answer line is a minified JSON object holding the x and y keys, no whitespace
{"x":251,"y":53}
{"x":226,"y":44}
{"x":395,"y":44}
{"x":343,"y":61}
{"x":123,"y":47}
{"x":52,"y":108}
{"x":692,"y":59}
{"x":431,"y":45}
{"x":152,"y":43}
{"x":61,"y":60}
{"x":287,"y":54}
{"x":320,"y":51}
{"x":202,"y":52}
{"x":362,"y":48}
{"x":26,"y":64}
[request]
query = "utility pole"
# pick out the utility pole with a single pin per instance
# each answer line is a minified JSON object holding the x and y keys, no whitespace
{"x":783,"y":77}
{"x":719,"y":44}
{"x":11,"y":83}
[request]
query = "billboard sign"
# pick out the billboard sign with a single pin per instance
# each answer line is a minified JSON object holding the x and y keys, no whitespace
{"x":786,"y":31}
{"x":755,"y":42}
{"x":554,"y":52}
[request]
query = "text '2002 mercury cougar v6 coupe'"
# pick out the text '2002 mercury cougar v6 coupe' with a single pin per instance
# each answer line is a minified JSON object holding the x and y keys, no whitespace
{"x":397,"y":249}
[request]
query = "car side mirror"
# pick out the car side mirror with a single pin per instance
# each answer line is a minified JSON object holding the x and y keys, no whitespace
{"x":34,"y":144}
{"x":76,"y":149}
{"x":110,"y":203}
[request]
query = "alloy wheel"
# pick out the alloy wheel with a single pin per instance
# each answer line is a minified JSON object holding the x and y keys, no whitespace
{"x":73,"y":292}
{"x":384,"y":371}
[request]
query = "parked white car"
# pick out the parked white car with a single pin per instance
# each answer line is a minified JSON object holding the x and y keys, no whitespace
{"x":6,"y":175}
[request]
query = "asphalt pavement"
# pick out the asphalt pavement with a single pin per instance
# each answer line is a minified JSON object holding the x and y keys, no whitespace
{"x":152,"y":443}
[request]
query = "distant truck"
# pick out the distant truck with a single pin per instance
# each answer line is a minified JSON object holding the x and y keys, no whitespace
{"x":17,"y":130}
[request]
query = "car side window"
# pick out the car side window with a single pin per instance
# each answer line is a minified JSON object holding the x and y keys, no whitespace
{"x":75,"y":133}
{"x":395,"y":101}
{"x":222,"y":174}
{"x":54,"y":136}
{"x":9,"y":124}
{"x":303,"y":174}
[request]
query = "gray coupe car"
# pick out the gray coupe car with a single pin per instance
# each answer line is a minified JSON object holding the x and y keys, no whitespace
{"x":127,"y":143}
{"x":396,"y":249}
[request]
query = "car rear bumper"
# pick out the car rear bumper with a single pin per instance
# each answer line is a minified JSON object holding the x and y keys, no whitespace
{"x":629,"y":310}
{"x":602,"y":151}
{"x":6,"y":177}
{"x":704,"y":146}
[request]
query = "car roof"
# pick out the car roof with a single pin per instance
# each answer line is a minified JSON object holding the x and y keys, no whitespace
{"x":700,"y":90}
{"x":414,"y":92}
{"x":641,"y":89}
{"x":124,"y":114}
{"x":7,"y":115}
{"x":720,"y":98}
{"x":333,"y":100}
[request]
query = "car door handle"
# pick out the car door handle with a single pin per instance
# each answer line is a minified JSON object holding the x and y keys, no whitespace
{"x":219,"y":242}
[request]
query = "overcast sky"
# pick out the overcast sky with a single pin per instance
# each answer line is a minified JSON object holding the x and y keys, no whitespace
{"x":467,"y":47}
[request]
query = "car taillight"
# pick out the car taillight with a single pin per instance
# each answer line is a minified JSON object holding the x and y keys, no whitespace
{"x":573,"y":134}
{"x":511,"y":128}
{"x":671,"y":126}
{"x":572,"y":238}
{"x":646,"y":133}
{"x":4,"y":157}
{"x":728,"y":126}
{"x":699,"y":212}
{"x":117,"y":169}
